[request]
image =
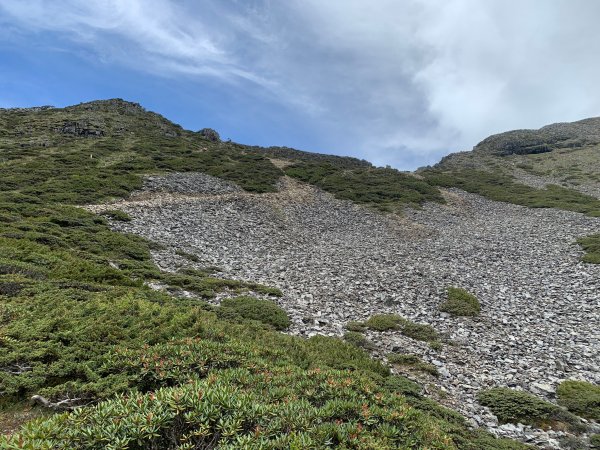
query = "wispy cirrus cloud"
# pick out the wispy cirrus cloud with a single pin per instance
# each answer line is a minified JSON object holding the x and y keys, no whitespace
{"x":399,"y":83}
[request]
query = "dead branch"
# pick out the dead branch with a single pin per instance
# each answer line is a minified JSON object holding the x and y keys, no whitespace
{"x":16,"y":369}
{"x":67,"y":404}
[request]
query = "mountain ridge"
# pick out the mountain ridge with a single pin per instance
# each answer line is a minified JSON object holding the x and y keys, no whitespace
{"x":188,"y":229}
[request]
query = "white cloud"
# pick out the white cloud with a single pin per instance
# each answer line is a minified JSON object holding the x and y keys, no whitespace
{"x":151,"y":34}
{"x":505,"y":64}
{"x":398,"y":82}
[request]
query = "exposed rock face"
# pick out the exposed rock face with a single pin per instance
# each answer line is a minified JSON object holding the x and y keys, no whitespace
{"x":210,"y":134}
{"x":82,"y":129}
{"x":337,"y":262}
{"x":546,"y":139}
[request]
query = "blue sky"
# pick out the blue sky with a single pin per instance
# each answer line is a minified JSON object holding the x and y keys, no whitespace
{"x":398,"y":82}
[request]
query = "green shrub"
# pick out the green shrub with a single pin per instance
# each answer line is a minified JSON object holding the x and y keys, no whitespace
{"x":480,"y":440}
{"x":402,"y":385}
{"x":355,"y":326}
{"x":418,"y":331}
{"x":278,"y":408}
{"x":358,"y":340}
{"x":591,"y":245}
{"x":413,"y":362}
{"x":188,"y":256}
{"x":323,"y":351}
{"x":118,"y":215}
{"x":581,"y":398}
{"x":384,"y":188}
{"x":461,"y":303}
{"x":500,"y":187}
{"x":595,"y":441}
{"x":436,"y":346}
{"x":199,"y":282}
{"x":384,"y":322}
{"x":263,"y":311}
{"x":512,"y":406}
{"x":573,"y":443}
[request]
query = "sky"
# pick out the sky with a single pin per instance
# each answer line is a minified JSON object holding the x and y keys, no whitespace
{"x":396,"y":82}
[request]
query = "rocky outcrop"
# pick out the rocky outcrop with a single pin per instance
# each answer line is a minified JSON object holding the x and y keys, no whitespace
{"x":210,"y":134}
{"x":81,"y":129}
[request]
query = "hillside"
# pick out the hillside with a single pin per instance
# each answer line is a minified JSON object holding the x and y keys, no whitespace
{"x":192,"y":293}
{"x":562,"y":154}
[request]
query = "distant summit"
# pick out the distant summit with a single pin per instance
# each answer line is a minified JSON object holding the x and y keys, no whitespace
{"x":110,"y":105}
{"x":546,"y":139}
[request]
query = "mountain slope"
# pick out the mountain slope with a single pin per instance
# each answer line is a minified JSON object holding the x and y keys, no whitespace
{"x":169,"y":285}
{"x":86,"y":314}
{"x":563,"y":154}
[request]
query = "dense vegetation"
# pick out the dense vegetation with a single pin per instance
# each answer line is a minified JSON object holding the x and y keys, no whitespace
{"x":461,"y":303}
{"x":512,"y":406}
{"x":591,"y":245}
{"x":108,"y":167}
{"x":80,"y":327}
{"x":358,"y":340}
{"x":581,"y":398}
{"x":252,"y":308}
{"x":280,"y":408}
{"x":385,"y":189}
{"x":504,"y":188}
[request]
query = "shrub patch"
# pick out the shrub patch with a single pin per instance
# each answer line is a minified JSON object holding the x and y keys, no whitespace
{"x":581,"y":398}
{"x":512,"y":406}
{"x":460,"y":303}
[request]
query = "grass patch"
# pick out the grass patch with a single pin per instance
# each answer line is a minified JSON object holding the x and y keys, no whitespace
{"x":512,"y":406}
{"x":591,"y":245}
{"x":461,"y":303}
{"x":581,"y":398}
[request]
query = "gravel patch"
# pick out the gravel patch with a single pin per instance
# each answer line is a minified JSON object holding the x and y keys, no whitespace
{"x":189,"y":183}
